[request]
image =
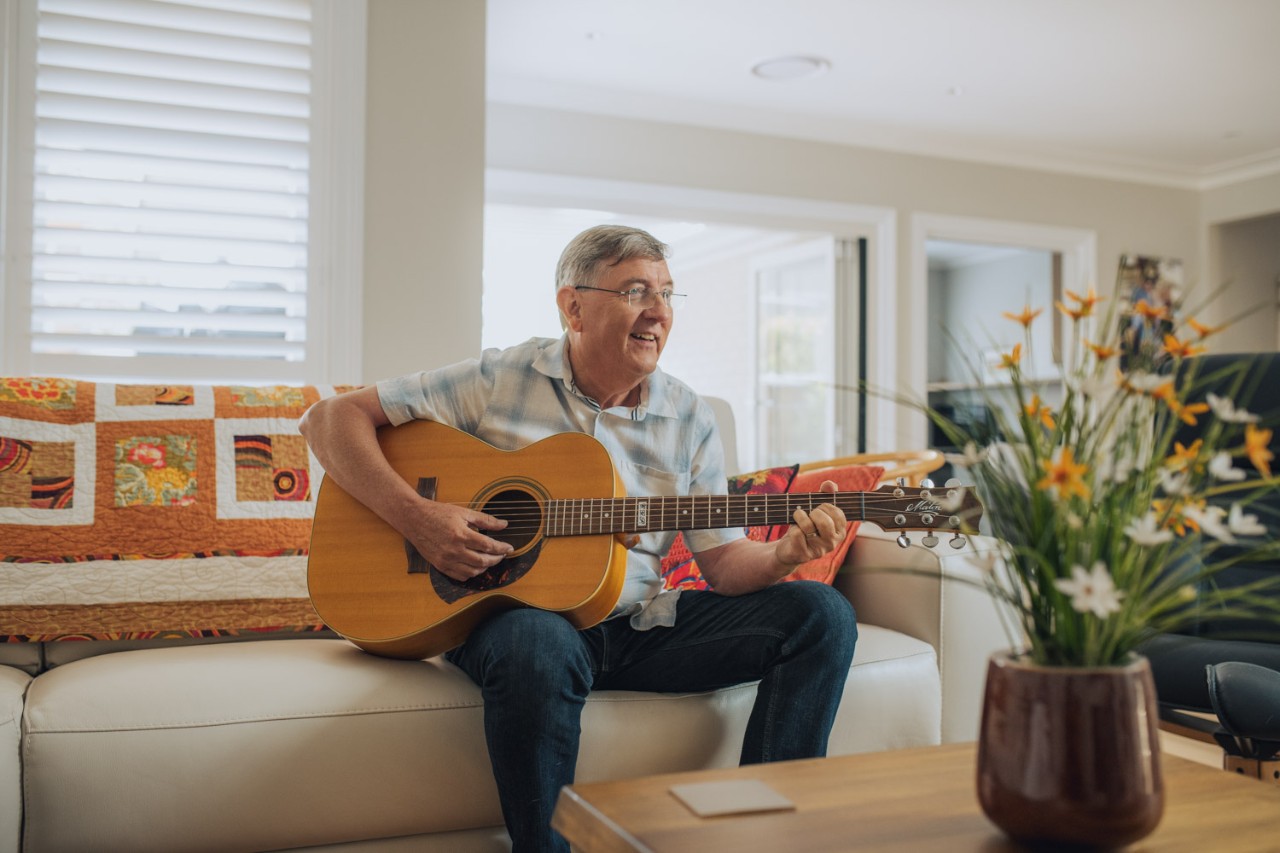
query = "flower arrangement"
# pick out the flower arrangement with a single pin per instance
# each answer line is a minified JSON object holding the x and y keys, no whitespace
{"x":1108,"y":519}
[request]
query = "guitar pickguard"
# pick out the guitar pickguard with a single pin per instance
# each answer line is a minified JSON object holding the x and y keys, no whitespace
{"x":519,"y":502}
{"x":508,"y":571}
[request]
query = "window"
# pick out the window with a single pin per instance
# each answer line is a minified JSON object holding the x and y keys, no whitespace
{"x":171,"y":188}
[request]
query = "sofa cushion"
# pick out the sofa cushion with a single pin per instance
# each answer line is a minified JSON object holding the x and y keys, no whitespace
{"x":311,"y":742}
{"x":139,"y":511}
{"x":13,"y":686}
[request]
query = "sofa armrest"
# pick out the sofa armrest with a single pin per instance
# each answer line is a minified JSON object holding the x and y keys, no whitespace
{"x":936,"y":595}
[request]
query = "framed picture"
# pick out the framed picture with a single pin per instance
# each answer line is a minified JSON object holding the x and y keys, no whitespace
{"x":1150,"y":290}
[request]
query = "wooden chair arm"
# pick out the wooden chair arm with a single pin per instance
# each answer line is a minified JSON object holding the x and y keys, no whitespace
{"x":912,"y":465}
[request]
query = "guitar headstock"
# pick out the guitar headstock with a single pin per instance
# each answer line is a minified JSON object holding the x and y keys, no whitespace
{"x":951,"y":509}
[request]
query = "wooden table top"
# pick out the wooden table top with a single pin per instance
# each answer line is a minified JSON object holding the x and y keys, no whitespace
{"x":903,"y":800}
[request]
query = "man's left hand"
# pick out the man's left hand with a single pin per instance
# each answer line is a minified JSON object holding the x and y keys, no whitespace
{"x":814,"y":533}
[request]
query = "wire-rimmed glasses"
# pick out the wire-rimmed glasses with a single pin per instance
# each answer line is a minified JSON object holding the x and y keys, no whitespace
{"x":642,"y":297}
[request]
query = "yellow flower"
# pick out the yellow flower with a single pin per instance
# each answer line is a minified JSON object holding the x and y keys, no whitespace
{"x":1175,"y":514}
{"x":1036,"y":409}
{"x":1150,"y":312}
{"x":1026,"y":317}
{"x":1256,"y":443}
{"x":1101,"y":352}
{"x":1087,"y":301}
{"x":1180,"y":349}
{"x":1201,"y":329}
{"x":1011,"y":360}
{"x":1074,"y":313}
{"x":1183,"y":457}
{"x":1188,"y":412}
{"x":1064,"y":475}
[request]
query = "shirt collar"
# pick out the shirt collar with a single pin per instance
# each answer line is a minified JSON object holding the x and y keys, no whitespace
{"x":654,"y":399}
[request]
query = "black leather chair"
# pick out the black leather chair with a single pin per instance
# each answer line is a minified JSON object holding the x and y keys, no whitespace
{"x":1219,"y":679}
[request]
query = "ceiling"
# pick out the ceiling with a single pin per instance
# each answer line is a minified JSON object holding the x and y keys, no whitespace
{"x":1173,"y":92}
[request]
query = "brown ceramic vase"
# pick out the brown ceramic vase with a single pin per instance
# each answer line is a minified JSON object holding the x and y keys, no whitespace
{"x":1070,"y":755}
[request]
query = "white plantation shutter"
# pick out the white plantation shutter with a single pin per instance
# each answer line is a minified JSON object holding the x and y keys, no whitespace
{"x":171,"y":189}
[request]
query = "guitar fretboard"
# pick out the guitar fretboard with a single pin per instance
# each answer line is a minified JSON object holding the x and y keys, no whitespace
{"x":590,"y":516}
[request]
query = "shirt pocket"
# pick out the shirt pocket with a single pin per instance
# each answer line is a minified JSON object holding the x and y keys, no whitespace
{"x":647,"y":481}
{"x":643,"y":480}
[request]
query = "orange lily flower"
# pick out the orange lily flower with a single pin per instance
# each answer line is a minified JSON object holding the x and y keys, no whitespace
{"x":1184,"y":456}
{"x":1177,"y":519}
{"x":1064,"y":475}
{"x":1150,"y":312}
{"x":1087,"y":301}
{"x":1011,"y":360}
{"x":1180,"y":349}
{"x":1026,"y":317}
{"x":1036,"y":409}
{"x":1188,"y":412}
{"x":1201,"y":329}
{"x":1076,"y":314}
{"x":1102,"y":352}
{"x":1256,"y":443}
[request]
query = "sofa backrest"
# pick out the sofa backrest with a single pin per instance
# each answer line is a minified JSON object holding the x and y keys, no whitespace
{"x":1251,"y":381}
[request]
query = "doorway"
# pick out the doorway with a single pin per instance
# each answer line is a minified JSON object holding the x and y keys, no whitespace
{"x":759,"y":329}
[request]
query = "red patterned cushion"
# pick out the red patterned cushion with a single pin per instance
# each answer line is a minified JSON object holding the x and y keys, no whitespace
{"x":848,"y":478}
{"x":680,"y":570}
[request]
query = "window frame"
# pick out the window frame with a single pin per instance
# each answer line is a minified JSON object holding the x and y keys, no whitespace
{"x":335,"y":237}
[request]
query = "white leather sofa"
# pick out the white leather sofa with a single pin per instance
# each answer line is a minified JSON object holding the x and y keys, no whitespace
{"x":308,"y":743}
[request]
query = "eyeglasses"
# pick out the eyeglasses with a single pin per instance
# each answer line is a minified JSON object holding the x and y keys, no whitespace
{"x":643,"y":297}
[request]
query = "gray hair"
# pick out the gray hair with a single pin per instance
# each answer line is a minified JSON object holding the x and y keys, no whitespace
{"x":605,"y":244}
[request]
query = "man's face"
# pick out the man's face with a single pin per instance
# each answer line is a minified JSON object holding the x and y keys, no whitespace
{"x":615,"y":339}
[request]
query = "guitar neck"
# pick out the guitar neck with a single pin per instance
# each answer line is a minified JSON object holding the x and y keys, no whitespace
{"x":590,"y":516}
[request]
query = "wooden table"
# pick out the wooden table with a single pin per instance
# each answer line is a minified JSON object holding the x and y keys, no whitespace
{"x":905,"y":800}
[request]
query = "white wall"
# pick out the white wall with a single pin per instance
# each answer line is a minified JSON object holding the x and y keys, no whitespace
{"x":1247,"y":262}
{"x":424,"y":185}
{"x":430,"y":138}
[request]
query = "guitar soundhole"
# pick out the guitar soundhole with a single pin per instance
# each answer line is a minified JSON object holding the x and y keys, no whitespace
{"x":523,"y":514}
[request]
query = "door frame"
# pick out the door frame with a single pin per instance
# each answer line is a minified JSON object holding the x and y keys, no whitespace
{"x":1078,"y":248}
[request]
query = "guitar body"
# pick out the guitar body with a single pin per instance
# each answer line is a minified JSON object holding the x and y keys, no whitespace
{"x":379,"y":593}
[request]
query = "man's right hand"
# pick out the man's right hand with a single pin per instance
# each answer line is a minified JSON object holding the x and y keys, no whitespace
{"x":453,"y":539}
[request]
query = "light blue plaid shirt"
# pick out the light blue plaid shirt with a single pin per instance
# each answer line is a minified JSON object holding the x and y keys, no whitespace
{"x":667,"y":445}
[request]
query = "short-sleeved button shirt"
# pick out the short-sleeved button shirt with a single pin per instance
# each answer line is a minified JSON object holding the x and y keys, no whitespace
{"x":667,"y":445}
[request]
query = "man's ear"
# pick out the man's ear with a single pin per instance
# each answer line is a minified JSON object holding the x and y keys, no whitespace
{"x":570,"y":308}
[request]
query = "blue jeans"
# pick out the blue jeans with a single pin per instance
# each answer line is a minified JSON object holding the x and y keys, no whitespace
{"x":535,"y":671}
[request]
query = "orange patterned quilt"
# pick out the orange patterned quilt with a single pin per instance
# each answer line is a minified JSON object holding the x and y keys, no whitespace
{"x":139,"y":511}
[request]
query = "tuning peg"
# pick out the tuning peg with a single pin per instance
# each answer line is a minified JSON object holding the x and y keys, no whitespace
{"x":903,"y":541}
{"x":926,"y":483}
{"x":929,"y":541}
{"x":952,"y":483}
{"x":957,"y":541}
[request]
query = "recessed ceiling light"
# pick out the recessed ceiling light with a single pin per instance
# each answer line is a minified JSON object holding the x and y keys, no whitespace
{"x":791,"y":67}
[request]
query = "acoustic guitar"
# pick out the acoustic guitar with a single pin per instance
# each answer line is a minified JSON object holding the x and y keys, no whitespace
{"x":564,"y":504}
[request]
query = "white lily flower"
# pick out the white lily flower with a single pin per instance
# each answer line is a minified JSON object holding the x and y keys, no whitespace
{"x":1146,"y":382}
{"x":1221,"y":468}
{"x":1210,"y":521}
{"x":1174,"y":482}
{"x":1227,"y":411}
{"x":1244,"y":525}
{"x":1092,"y":591}
{"x":1147,"y":531}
